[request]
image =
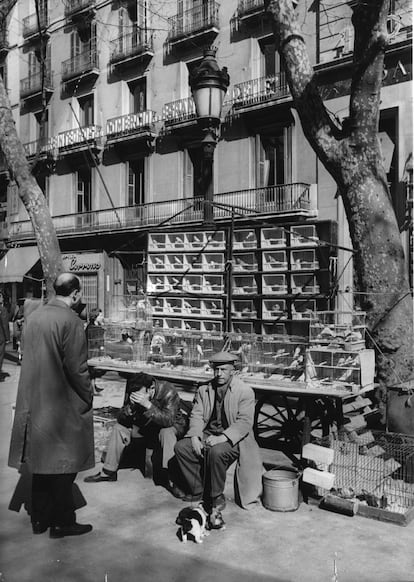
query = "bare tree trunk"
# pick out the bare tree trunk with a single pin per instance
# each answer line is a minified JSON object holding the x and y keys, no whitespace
{"x":351,"y":154}
{"x":30,"y":193}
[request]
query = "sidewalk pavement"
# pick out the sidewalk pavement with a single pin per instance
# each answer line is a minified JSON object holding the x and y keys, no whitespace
{"x":134,"y":536}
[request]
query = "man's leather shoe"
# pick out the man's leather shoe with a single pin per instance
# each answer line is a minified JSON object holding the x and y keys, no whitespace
{"x":39,"y":527}
{"x":76,"y":529}
{"x":99,"y":477}
{"x":176,"y":491}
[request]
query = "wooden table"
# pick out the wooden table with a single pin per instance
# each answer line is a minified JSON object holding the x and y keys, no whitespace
{"x":286,"y":411}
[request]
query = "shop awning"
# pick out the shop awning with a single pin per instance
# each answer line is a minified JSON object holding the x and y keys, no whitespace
{"x":16,"y":263}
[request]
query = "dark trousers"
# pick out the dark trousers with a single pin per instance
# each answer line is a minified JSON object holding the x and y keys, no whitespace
{"x":52,"y":499}
{"x":208,"y":473}
{"x":2,"y":351}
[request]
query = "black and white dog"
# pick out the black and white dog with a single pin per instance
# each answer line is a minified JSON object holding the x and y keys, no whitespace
{"x":192,"y":522}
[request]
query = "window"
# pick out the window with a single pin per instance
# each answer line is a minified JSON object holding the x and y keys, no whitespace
{"x":271,"y":164}
{"x":42,"y":125}
{"x":3,"y":74}
{"x":270,"y":58}
{"x":138,"y":95}
{"x":86,"y":116}
{"x":84,"y":190}
{"x":33,"y":65}
{"x":136,"y":182}
{"x":192,"y":172}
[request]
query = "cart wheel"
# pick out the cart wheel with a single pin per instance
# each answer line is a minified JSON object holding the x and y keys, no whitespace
{"x":280,"y":421}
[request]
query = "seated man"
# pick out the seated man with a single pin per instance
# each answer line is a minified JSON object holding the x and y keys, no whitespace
{"x":151,"y":411}
{"x":220,"y":432}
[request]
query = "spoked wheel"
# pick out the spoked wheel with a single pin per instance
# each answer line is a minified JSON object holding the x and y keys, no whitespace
{"x":280,"y":420}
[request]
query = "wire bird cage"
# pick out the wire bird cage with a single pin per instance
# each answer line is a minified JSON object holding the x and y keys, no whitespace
{"x":377,"y":469}
{"x":155,"y":346}
{"x":270,"y":355}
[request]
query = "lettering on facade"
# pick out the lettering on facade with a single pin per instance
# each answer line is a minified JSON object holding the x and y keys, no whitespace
{"x":178,"y":109}
{"x":131,"y":122}
{"x":81,"y":264}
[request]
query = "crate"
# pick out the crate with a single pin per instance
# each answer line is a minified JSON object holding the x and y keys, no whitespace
{"x":273,"y":237}
{"x":375,"y":468}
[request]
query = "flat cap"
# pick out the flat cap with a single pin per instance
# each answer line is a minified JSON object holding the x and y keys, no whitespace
{"x":224,"y":358}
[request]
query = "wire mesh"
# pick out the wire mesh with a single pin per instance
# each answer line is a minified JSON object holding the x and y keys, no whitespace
{"x":375,"y":467}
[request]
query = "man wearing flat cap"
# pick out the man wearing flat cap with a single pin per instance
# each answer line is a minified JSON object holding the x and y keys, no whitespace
{"x":221,"y":432}
{"x":151,"y":411}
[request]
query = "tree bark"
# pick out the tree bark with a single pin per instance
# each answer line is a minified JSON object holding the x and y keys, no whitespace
{"x":30,"y":193}
{"x":351,"y":154}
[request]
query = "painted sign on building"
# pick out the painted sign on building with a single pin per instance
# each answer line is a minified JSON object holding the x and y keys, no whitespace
{"x":82,"y":262}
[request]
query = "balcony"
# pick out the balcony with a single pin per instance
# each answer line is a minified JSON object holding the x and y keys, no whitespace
{"x":4,"y":43}
{"x":260,"y":91}
{"x":32,"y":87}
{"x":132,"y":49}
{"x":85,"y":65}
{"x":179,"y":112}
{"x":81,"y":139}
{"x":286,"y":201}
{"x":4,"y":230}
{"x":76,"y":9}
{"x":132,"y":127}
{"x":43,"y":150}
{"x":32,"y":28}
{"x":250,"y":12}
{"x":198,"y":26}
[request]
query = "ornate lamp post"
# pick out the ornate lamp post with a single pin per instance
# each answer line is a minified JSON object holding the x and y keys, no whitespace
{"x":208,"y":86}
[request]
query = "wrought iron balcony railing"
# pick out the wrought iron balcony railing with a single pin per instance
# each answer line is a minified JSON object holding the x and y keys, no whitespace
{"x":194,"y":20}
{"x":45,"y":147}
{"x":83,"y":63}
{"x":287,"y":200}
{"x":31,"y":25}
{"x":179,"y":111}
{"x":34,"y":83}
{"x":248,"y":6}
{"x":74,"y":6}
{"x":4,"y":40}
{"x":131,"y":123}
{"x":260,"y":90}
{"x":81,"y":136}
{"x":131,"y":45}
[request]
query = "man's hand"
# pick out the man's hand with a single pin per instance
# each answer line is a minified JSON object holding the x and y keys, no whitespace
{"x":215,"y":440}
{"x":197,"y":446}
{"x":140,"y":398}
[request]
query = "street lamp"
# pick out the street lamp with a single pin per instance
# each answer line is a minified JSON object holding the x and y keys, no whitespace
{"x":208,"y":86}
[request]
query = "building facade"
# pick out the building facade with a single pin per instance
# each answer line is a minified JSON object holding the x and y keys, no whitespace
{"x":101,"y":99}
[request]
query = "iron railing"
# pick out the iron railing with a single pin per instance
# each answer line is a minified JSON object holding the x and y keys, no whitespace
{"x":179,"y":110}
{"x":260,"y":90}
{"x":131,"y":45}
{"x":79,"y":136}
{"x":130,"y":124}
{"x":33,"y":83}
{"x":43,"y":146}
{"x":73,"y":6}
{"x":193,"y":20}
{"x":247,"y":6}
{"x":31,"y":25}
{"x":284,"y":199}
{"x":82,"y":63}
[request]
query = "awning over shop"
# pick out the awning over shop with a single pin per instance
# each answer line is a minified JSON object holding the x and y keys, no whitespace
{"x":16,"y":263}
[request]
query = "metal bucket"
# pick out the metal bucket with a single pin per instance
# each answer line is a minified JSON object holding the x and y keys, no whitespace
{"x":281,"y":489}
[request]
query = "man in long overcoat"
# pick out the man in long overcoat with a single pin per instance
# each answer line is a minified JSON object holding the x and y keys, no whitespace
{"x":4,"y":334}
{"x":221,"y":432}
{"x":52,"y":432}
